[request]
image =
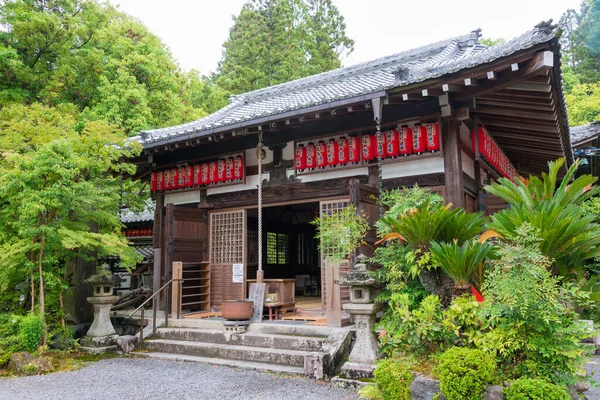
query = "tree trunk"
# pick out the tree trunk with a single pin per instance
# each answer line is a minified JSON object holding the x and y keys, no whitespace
{"x":42,"y":303}
{"x":460,"y":290}
{"x":435,"y":281}
{"x":32,"y":292}
{"x":62,"y":308}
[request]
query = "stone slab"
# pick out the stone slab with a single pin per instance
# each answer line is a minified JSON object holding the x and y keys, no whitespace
{"x":354,"y":370}
{"x":98,"y":350}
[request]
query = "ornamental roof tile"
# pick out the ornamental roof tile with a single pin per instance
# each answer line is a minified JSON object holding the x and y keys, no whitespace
{"x":368,"y":78}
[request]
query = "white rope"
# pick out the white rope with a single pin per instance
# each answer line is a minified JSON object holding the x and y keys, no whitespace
{"x":259,"y":155}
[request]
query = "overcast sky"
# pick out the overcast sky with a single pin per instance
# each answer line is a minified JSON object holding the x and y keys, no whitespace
{"x":194,"y":30}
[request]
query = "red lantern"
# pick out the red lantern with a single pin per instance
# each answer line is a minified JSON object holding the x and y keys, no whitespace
{"x":238,"y":172}
{"x":369,"y":146}
{"x":153,"y":182}
{"x":174,"y":178}
{"x":355,"y":149}
{"x":311,"y":156}
{"x":343,"y":151}
{"x":380,"y":145}
{"x":485,"y":143}
{"x":167,"y":179}
{"x":205,"y":174}
{"x":419,"y":139}
{"x":221,"y":164}
{"x":160,"y":181}
{"x":405,"y":141}
{"x":197,"y":174}
{"x":332,"y":153}
{"x":212,"y":173}
{"x":321,"y":154}
{"x":229,"y":169}
{"x":433,"y":137}
{"x":186,"y":176}
{"x":300,"y":158}
{"x":392,"y":144}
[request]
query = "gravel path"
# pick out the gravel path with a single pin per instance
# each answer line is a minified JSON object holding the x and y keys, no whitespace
{"x":142,"y":378}
{"x":593,"y":368}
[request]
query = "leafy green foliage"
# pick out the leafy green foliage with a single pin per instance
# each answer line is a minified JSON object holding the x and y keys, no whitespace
{"x":102,"y":61}
{"x":531,"y":331}
{"x":535,"y":389}
{"x":461,"y":262}
{"x":393,"y":379}
{"x":569,"y":234}
{"x":276,"y":41}
{"x":584,"y":103}
{"x":491,"y":42}
{"x":427,"y":329}
{"x":464,"y":373}
{"x":31,"y":330}
{"x":340,"y":233}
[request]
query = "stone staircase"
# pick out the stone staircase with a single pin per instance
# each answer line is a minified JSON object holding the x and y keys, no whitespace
{"x":314,"y":351}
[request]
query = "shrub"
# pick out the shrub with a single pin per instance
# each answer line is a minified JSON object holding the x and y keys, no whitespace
{"x":427,"y":328}
{"x":393,"y":379}
{"x":532,"y":333}
{"x":31,"y":330}
{"x":535,"y":389}
{"x":464,"y":373}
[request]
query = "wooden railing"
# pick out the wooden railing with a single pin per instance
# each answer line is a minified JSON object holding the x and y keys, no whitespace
{"x":173,"y":286}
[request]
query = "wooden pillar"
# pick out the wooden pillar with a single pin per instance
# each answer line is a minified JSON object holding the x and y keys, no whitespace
{"x":157,"y":241}
{"x":453,"y":172}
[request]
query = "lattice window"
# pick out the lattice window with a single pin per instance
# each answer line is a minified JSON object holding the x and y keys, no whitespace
{"x":328,"y":208}
{"x":278,"y":248}
{"x":227,"y":237}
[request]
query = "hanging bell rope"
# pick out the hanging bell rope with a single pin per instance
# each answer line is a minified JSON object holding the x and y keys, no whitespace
{"x":260,"y":155}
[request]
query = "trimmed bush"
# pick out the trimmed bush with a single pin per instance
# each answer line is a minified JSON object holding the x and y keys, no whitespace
{"x":464,"y":373}
{"x":393,"y":379}
{"x":535,"y":389}
{"x":31,"y":330}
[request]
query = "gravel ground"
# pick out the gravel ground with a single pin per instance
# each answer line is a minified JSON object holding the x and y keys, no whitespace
{"x":141,"y":378}
{"x":593,"y":368}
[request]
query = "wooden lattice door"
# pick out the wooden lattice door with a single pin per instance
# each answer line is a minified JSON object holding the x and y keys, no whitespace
{"x":331,"y":295}
{"x":227,"y":248}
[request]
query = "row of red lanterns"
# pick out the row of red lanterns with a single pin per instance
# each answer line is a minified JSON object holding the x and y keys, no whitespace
{"x":137,"y":232}
{"x":225,"y":170}
{"x":493,"y":154}
{"x":418,"y":140}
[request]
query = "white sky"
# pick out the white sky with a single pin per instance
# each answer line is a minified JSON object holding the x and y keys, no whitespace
{"x":194,"y":30}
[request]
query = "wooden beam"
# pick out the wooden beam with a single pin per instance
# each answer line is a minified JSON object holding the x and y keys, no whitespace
{"x":492,"y":76}
{"x":515,"y":112}
{"x":431,"y":92}
{"x":451,"y":87}
{"x":471,"y":82}
{"x":453,"y":173}
{"x":540,"y":63}
{"x":509,"y":105}
{"x":531,"y":87}
{"x":517,"y":125}
{"x":410,"y":96}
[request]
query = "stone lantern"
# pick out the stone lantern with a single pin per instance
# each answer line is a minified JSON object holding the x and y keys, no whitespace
{"x":101,"y":337}
{"x":361,"y":361}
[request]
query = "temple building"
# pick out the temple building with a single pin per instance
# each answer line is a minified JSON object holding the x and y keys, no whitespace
{"x":450,"y":116}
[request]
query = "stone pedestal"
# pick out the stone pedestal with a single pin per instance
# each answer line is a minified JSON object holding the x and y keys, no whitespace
{"x":102,"y":336}
{"x":360,"y":364}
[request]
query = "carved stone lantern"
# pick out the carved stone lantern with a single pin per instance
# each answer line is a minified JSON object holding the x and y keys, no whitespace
{"x":101,"y":337}
{"x":361,"y":361}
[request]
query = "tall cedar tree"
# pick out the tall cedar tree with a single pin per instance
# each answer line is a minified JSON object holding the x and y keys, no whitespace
{"x":276,"y":41}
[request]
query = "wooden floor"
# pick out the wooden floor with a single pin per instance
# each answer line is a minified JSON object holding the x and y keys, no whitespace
{"x":308,"y":302}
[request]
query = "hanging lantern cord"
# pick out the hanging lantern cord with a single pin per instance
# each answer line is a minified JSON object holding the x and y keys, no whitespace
{"x":260,"y":156}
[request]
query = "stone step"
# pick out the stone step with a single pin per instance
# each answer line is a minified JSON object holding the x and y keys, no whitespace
{"x":253,"y":339}
{"x":293,"y":358}
{"x":283,"y":369}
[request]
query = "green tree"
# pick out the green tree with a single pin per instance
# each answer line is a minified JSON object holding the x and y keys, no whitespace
{"x":584,"y":103}
{"x":52,"y":193}
{"x":276,"y":41}
{"x":491,"y":42}
{"x":91,"y":55}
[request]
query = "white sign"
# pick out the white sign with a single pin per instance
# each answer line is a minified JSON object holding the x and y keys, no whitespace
{"x":238,"y":273}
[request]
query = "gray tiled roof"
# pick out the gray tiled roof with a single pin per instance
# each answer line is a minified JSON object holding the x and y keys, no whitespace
{"x":585,"y":132}
{"x":365,"y":79}
{"x":130,"y":217}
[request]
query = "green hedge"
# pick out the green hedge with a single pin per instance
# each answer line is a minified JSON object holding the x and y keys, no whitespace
{"x":464,"y":374}
{"x":535,"y":389}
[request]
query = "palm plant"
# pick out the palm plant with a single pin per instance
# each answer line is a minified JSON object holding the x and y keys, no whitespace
{"x":569,"y":234}
{"x":461,"y":263}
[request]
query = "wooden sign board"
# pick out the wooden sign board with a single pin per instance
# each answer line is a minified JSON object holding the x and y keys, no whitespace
{"x":257,"y":295}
